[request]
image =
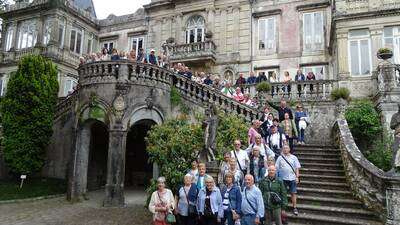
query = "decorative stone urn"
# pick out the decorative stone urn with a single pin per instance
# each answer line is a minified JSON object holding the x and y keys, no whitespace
{"x":170,"y":40}
{"x":208,"y":35}
{"x":341,"y":106}
{"x":384,"y":54}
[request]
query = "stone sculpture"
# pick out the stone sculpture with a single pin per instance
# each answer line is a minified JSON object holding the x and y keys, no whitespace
{"x":395,"y":125}
{"x":210,"y":125}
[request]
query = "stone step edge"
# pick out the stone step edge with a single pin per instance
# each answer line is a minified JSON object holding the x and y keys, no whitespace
{"x":333,"y":209}
{"x":331,"y":219}
{"x":336,"y":184}
{"x":327,"y":199}
{"x":318,"y":190}
{"x":322,"y":176}
{"x":321,"y":170}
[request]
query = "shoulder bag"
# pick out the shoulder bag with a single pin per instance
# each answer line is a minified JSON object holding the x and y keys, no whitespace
{"x":191,"y":208}
{"x":170,"y":217}
{"x":294,"y":171}
{"x":251,"y":205}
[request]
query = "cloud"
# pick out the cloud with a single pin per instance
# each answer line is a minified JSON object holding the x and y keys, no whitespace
{"x":117,"y":7}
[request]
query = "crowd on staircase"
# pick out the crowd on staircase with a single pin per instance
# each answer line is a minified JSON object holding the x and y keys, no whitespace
{"x":253,"y":181}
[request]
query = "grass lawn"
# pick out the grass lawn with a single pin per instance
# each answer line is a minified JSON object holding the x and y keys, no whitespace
{"x":34,"y":187}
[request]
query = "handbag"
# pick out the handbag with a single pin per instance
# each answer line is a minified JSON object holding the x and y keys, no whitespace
{"x":170,"y":217}
{"x":192,"y":210}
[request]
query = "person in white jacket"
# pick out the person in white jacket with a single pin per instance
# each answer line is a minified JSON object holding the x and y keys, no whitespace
{"x":161,"y":203}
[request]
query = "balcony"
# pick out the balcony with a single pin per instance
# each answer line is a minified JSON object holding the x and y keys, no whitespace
{"x":52,"y":52}
{"x":199,"y":52}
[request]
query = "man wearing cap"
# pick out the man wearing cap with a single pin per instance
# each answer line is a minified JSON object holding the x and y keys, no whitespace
{"x":152,"y":59}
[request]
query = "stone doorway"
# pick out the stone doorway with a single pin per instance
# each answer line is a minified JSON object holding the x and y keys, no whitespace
{"x":138,"y":171}
{"x":98,"y":153}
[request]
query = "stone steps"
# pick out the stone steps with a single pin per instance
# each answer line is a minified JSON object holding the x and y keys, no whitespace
{"x":324,"y":196}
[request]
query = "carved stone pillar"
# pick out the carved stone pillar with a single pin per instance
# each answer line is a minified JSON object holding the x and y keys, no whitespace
{"x":116,"y":169}
{"x":39,"y":27}
{"x":178,"y":29}
{"x":393,"y":202}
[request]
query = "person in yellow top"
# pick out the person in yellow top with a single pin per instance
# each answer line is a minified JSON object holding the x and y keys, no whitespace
{"x":289,"y":129}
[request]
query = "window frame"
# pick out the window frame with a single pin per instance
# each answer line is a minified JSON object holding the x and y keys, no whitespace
{"x":61,"y":38}
{"x":47,"y":30}
{"x":313,"y":32}
{"x":359,"y":39}
{"x":324,"y":67}
{"x":395,"y":35}
{"x":195,"y":27}
{"x":9,"y":39}
{"x":75,"y":48}
{"x":73,"y":83}
{"x":137,"y":38}
{"x":30,"y":35}
{"x":266,"y":19}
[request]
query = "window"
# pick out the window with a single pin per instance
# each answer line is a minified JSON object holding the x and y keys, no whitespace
{"x":61,"y":33}
{"x":75,"y":44}
{"x":89,"y":48}
{"x":359,"y":52}
{"x":47,"y":31}
{"x":391,"y":39}
{"x":136,"y":43}
{"x":108,"y":45}
{"x":70,"y":84}
{"x":266,"y":34}
{"x":195,"y":29}
{"x":313,"y":31}
{"x":27,"y":35}
{"x":9,"y":38}
{"x":319,"y":71}
{"x":271,"y":74}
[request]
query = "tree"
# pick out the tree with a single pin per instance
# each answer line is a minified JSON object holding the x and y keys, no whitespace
{"x":28,"y":109}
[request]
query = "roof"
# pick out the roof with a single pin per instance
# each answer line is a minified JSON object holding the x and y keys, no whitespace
{"x":86,"y":5}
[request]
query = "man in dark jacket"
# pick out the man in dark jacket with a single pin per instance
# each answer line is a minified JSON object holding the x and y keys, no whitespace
{"x":152,"y":58}
{"x":252,"y":79}
{"x":299,"y":78}
{"x":261,"y":77}
{"x":241,"y":80}
{"x":274,"y":195}
{"x":282,"y":109}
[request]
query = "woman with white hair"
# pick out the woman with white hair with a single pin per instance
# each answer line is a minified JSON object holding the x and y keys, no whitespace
{"x":161,"y":203}
{"x":209,"y":203}
{"x":186,"y":201}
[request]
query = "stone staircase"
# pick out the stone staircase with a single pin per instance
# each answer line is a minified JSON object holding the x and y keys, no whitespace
{"x":324,"y":196}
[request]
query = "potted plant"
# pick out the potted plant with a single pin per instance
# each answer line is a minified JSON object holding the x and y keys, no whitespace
{"x":384,"y":53}
{"x":263,"y":90}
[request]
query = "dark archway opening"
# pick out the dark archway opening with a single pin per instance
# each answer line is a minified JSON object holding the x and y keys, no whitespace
{"x":138,"y":170}
{"x":98,"y":156}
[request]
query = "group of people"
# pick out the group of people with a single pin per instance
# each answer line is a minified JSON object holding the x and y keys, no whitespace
{"x":252,"y":183}
{"x":114,"y":55}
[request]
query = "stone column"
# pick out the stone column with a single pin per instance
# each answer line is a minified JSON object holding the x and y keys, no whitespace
{"x":178,"y":29}
{"x":39,"y":26}
{"x":393,"y":202}
{"x":342,"y":58}
{"x":116,"y":169}
{"x":54,"y":35}
{"x":236,"y":28}
{"x":222,"y":37}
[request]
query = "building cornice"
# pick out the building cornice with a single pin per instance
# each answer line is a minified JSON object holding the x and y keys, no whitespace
{"x":314,"y":64}
{"x":312,"y":6}
{"x":272,"y":12}
{"x":266,"y":67}
{"x":363,"y":15}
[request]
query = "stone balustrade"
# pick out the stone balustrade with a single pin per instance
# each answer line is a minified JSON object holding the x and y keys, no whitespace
{"x":315,"y":90}
{"x":207,"y":95}
{"x":51,"y":51}
{"x":198,"y":50}
{"x":121,"y":71}
{"x":375,"y":188}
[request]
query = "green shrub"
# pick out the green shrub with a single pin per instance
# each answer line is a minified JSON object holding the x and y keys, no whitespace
{"x":27,"y":110}
{"x":384,"y":50}
{"x":230,"y":128}
{"x":173,"y":145}
{"x":381,"y":153}
{"x":263,"y":87}
{"x":339,"y":93}
{"x":175,"y":97}
{"x":364,"y":123}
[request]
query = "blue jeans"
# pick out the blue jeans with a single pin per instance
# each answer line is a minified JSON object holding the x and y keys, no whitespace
{"x":301,"y":135}
{"x":248,"y":220}
{"x":228,"y":217}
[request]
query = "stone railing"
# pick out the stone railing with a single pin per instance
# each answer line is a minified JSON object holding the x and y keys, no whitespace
{"x":370,"y":184}
{"x":121,"y":71}
{"x":199,"y":50}
{"x":207,"y":95}
{"x":66,"y":103}
{"x":54,"y":52}
{"x":316,"y":90}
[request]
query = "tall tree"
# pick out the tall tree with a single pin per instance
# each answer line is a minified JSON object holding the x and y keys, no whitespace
{"x":27,"y":111}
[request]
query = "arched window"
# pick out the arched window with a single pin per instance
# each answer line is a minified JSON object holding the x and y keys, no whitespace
{"x":27,"y":35}
{"x":195,"y":29}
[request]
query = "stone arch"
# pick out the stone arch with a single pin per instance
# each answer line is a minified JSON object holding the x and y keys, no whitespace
{"x":137,"y":169}
{"x":229,"y":73}
{"x":91,"y":117}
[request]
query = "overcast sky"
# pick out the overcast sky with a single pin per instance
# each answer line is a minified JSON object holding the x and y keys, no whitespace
{"x":117,"y":7}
